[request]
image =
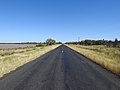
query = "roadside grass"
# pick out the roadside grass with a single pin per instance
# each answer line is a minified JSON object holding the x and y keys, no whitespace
{"x":10,"y":59}
{"x":108,"y":57}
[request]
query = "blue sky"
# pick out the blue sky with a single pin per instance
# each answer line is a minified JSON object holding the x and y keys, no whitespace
{"x":63,"y":20}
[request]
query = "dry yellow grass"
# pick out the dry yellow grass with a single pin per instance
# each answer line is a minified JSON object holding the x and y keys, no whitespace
{"x":107,"y":57}
{"x":10,"y":59}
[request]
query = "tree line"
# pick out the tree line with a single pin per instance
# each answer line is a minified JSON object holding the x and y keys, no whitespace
{"x":49,"y":41}
{"x":110,"y":43}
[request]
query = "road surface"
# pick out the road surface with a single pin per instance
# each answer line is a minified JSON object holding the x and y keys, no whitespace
{"x":60,"y":69}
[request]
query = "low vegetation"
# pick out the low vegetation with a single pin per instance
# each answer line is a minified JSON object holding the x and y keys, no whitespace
{"x":108,"y":57}
{"x":87,"y":42}
{"x":10,"y":59}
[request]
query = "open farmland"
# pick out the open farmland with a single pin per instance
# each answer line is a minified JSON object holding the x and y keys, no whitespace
{"x":108,"y":57}
{"x":9,"y":46}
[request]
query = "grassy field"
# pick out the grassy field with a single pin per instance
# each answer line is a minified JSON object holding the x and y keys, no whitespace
{"x":12,"y":58}
{"x":107,"y":57}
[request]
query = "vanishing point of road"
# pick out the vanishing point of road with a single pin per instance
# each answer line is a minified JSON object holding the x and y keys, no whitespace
{"x":60,"y":69}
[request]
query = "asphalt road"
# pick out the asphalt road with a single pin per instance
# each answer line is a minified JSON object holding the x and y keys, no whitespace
{"x":60,"y":69}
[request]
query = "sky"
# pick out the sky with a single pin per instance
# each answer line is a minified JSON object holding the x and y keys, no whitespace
{"x":62,"y":20}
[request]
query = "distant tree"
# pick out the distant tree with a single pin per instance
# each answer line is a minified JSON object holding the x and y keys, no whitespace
{"x":58,"y":42}
{"x":116,"y":42}
{"x":50,"y":41}
{"x":88,"y":42}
